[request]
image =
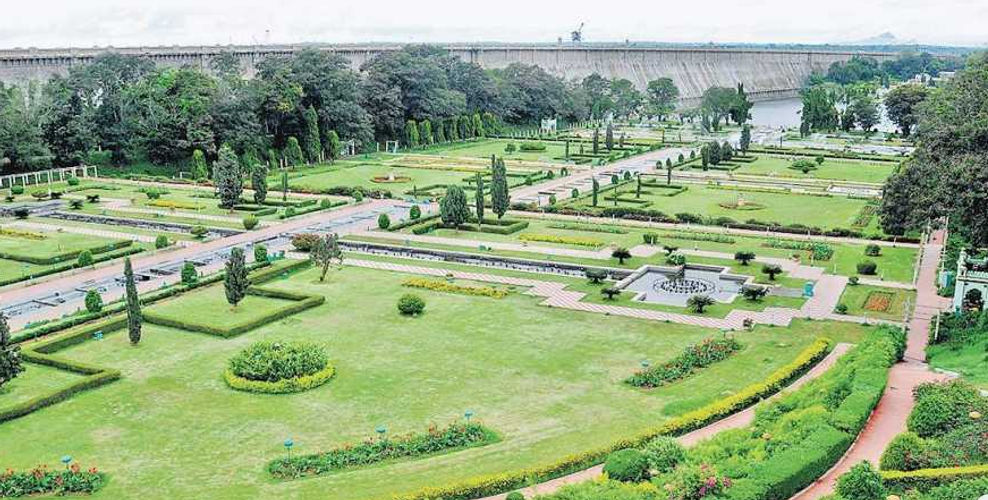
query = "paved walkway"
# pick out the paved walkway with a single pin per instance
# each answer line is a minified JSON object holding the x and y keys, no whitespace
{"x":125,"y":206}
{"x":889,"y":417}
{"x":737,"y":420}
{"x":22,"y":291}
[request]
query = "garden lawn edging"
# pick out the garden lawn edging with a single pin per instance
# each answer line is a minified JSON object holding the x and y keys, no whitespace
{"x":285,"y":386}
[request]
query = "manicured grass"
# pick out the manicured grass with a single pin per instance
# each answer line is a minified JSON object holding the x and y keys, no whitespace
{"x":361,"y":174}
{"x":846,"y":170}
{"x":865,"y":300}
{"x":55,"y":243}
{"x":172,"y":236}
{"x":488,"y":147}
{"x":969,"y":359}
{"x":212,"y":309}
{"x":548,"y":380}
{"x":34,"y":380}
{"x":894,"y":263}
{"x":784,"y":208}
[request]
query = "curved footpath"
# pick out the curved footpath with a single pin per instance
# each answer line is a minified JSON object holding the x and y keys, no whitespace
{"x":740,"y":419}
{"x":889,"y":417}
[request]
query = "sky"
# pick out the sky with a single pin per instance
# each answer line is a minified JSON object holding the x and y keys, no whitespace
{"x":120,"y":23}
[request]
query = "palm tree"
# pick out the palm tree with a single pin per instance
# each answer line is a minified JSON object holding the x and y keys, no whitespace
{"x":697,"y":303}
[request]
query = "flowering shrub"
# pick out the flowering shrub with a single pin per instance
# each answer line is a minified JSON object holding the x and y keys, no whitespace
{"x":445,"y":286}
{"x":705,"y":353}
{"x":695,"y":482}
{"x":436,"y":440}
{"x":567,"y":240}
{"x":42,"y":481}
{"x":273,"y":361}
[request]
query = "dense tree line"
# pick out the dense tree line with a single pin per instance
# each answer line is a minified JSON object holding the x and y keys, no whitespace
{"x":124,"y":110}
{"x":948,"y":174}
{"x":903,"y":67}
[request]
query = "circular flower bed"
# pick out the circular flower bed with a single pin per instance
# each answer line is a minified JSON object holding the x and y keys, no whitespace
{"x":747,"y":205}
{"x":386,"y":179}
{"x":278,"y":367}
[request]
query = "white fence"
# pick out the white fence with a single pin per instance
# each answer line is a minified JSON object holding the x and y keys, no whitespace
{"x":47,"y":176}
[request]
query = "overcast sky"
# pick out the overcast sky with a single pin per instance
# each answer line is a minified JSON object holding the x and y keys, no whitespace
{"x":86,"y":23}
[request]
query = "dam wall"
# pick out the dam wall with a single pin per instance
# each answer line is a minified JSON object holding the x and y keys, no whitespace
{"x":766,"y":74}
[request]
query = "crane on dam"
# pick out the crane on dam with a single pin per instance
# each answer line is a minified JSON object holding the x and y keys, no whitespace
{"x":577,"y":35}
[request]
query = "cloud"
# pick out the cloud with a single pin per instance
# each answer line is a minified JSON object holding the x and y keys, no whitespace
{"x":52,"y":23}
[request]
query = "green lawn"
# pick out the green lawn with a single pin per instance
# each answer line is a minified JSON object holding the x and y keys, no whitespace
{"x":867,"y":300}
{"x":486,"y":148}
{"x":832,"y":169}
{"x":213,"y":309}
{"x":54,"y":243}
{"x":362,"y":174}
{"x":969,"y":359}
{"x":783,"y":208}
{"x":894,"y":263}
{"x":547,"y":380}
{"x":33,"y":380}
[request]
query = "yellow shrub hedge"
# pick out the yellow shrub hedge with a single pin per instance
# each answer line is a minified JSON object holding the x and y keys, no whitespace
{"x":285,"y":386}
{"x":499,"y":483}
{"x":568,"y":240}
{"x":16,"y":233}
{"x":929,"y":478}
{"x":184,"y":205}
{"x":445,"y":286}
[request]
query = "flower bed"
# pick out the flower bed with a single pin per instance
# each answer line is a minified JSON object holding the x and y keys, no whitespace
{"x":696,"y":356}
{"x":567,"y":240}
{"x":397,"y":179}
{"x":878,"y":301}
{"x":588,"y":228}
{"x":445,"y":286}
{"x":43,"y":481}
{"x":173,"y":204}
{"x":699,"y":236}
{"x":455,"y":436}
{"x":278,"y":367}
{"x":27,"y":235}
{"x":820,"y":251}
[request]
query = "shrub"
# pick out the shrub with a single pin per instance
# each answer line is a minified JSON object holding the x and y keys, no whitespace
{"x":358,"y":195}
{"x":411,"y":305}
{"x":161,"y":241}
{"x":663,"y":453}
{"x":873,"y":250}
{"x":867,"y":267}
{"x":94,"y":301}
{"x":532,"y":146}
{"x":325,"y":204}
{"x":250,"y":221}
{"x":744,"y":257}
{"x":904,"y":452}
{"x":705,"y":353}
{"x":260,"y":253}
{"x":383,"y":221}
{"x":566,"y":240}
{"x":304,"y":242}
{"x":21,"y":213}
{"x":841,"y":308}
{"x":514,"y":495}
{"x":676,"y":259}
{"x":199,"y":231}
{"x":595,"y":275}
{"x":853,"y":281}
{"x":862,"y":482}
{"x":189,"y":274}
{"x":941,"y":408}
{"x":445,"y":286}
{"x":510,"y":148}
{"x":85,"y":258}
{"x":73,"y":181}
{"x":43,"y":481}
{"x":415,"y":212}
{"x":628,"y":464}
{"x":650,"y":238}
{"x":772,"y":270}
{"x":270,"y":361}
{"x":17,"y":189}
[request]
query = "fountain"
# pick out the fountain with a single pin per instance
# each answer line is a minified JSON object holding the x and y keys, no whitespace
{"x":674,"y":286}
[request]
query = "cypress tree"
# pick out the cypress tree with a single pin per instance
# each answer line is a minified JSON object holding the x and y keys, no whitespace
{"x":313,"y":145}
{"x":745,"y":138}
{"x":596,"y":189}
{"x":478,"y":126}
{"x":333,"y":145}
{"x":259,"y":181}
{"x":293,"y":152}
{"x":273,"y":160}
{"x":226,"y":175}
{"x":609,"y":137}
{"x":638,"y":187}
{"x":199,"y":169}
{"x":453,"y":207}
{"x":284,"y":185}
{"x":479,"y":201}
{"x":500,"y":197}
{"x":10,"y":354}
{"x":596,"y":140}
{"x":425,"y":132}
{"x":134,"y":317}
{"x":236,"y":281}
{"x":411,"y":134}
{"x":440,"y":132}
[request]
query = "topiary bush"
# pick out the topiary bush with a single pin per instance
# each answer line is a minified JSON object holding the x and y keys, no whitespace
{"x":199,"y":232}
{"x":411,"y":305}
{"x":415,"y":212}
{"x":271,"y":361}
{"x":94,"y":302}
{"x":260,"y":253}
{"x":383,"y":221}
{"x":250,"y":221}
{"x":304,"y":242}
{"x":73,"y":181}
{"x":663,"y":453}
{"x":867,"y":267}
{"x":628,"y":464}
{"x":85,"y":258}
{"x":873,"y":250}
{"x":862,"y":482}
{"x":161,"y":241}
{"x":17,"y":189}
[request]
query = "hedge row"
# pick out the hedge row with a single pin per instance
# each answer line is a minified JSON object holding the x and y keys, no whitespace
{"x":68,"y":266}
{"x":562,"y":239}
{"x":839,"y":155}
{"x":41,"y":354}
{"x":412,"y":222}
{"x":257,"y":210}
{"x":453,"y":437}
{"x":445,"y":286}
{"x":924,"y":479}
{"x":64,"y":256}
{"x":499,"y":483}
{"x":284,"y":386}
{"x":300,"y":303}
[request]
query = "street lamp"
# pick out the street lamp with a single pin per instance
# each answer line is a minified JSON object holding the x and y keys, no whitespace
{"x":66,"y":460}
{"x":381,"y":430}
{"x":645,"y":364}
{"x":288,"y":446}
{"x":467,"y":414}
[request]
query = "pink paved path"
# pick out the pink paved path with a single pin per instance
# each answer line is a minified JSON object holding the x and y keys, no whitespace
{"x":889,"y":417}
{"x":735,"y":421}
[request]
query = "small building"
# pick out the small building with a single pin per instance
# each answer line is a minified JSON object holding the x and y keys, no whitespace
{"x":972,"y":274}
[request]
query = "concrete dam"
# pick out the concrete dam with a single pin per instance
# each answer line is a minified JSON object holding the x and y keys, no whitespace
{"x":765,"y":73}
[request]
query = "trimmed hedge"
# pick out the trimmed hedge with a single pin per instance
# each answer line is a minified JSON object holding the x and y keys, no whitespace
{"x":567,"y":240}
{"x":284,"y":386}
{"x":454,"y":437}
{"x":65,"y":256}
{"x":924,"y":479}
{"x":68,"y":266}
{"x":301,"y":303}
{"x":412,"y":222}
{"x":499,"y":483}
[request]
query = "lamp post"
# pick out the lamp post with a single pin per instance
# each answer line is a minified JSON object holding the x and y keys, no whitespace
{"x":288,"y":446}
{"x":66,"y":460}
{"x":645,"y":364}
{"x":381,"y":431}
{"x":467,"y":415}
